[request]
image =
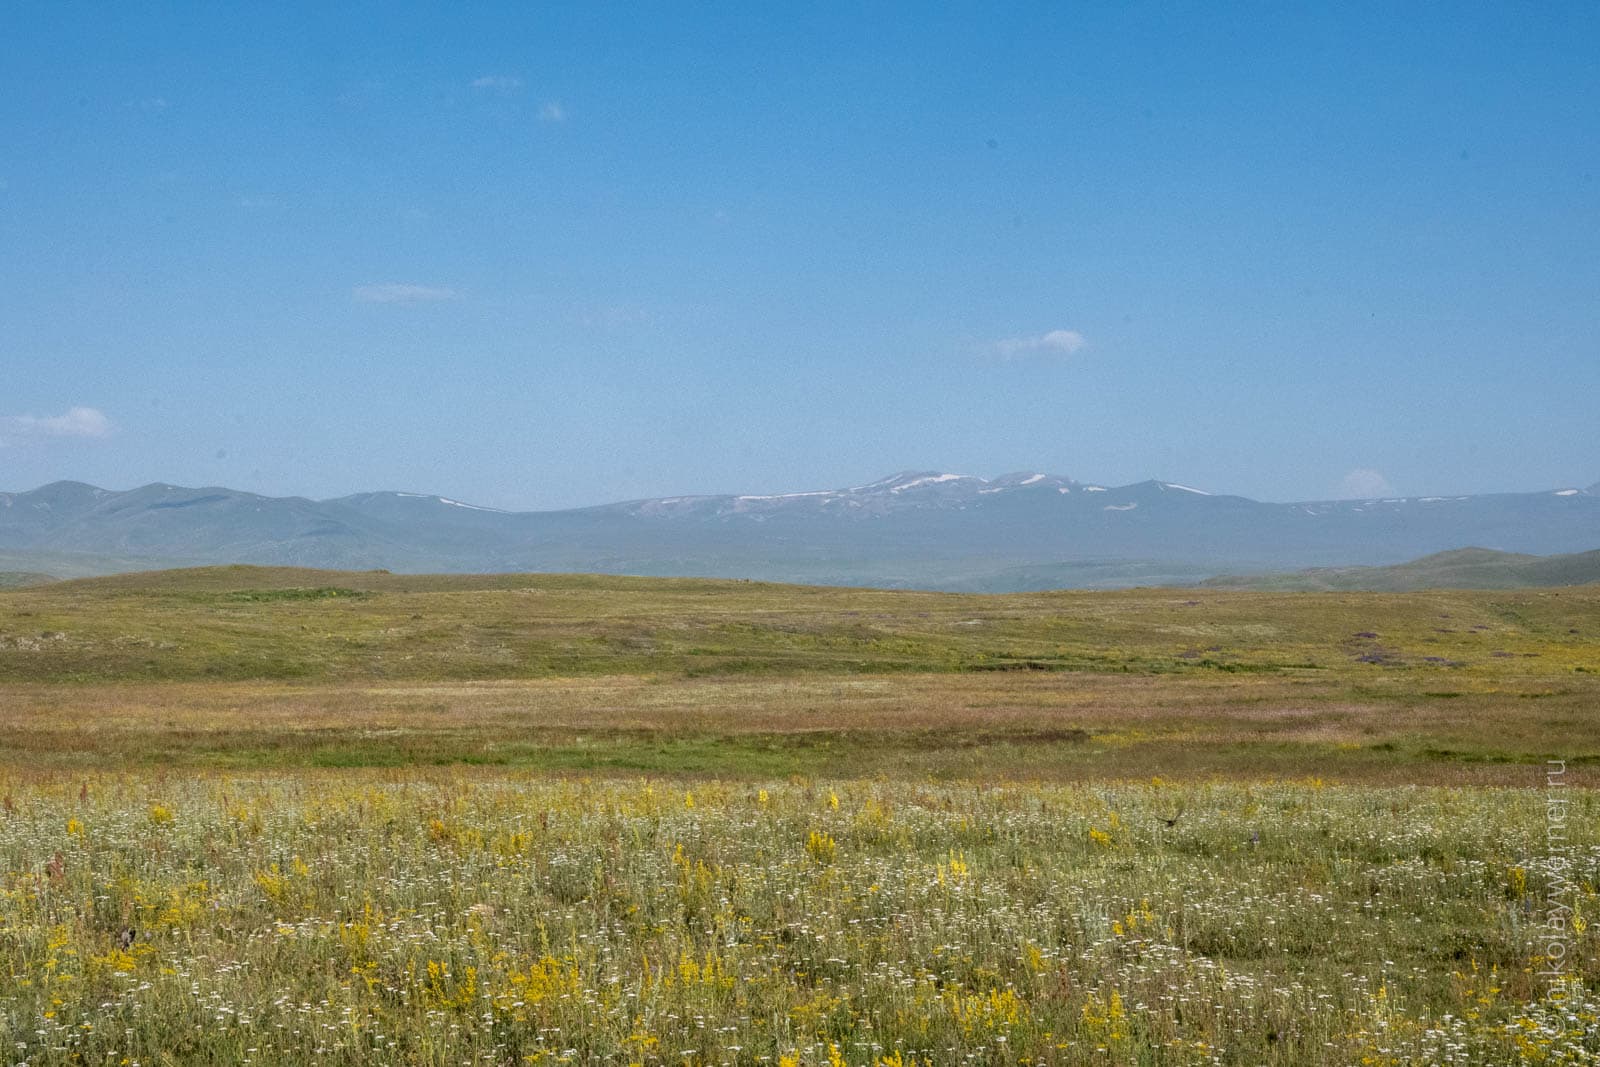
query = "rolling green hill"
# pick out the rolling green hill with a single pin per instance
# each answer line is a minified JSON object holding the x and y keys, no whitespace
{"x":267,"y":667}
{"x":1462,"y":568}
{"x":244,"y":622}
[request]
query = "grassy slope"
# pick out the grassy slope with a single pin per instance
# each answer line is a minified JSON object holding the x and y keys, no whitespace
{"x":1462,"y":568}
{"x":245,"y":623}
{"x":287,"y":667}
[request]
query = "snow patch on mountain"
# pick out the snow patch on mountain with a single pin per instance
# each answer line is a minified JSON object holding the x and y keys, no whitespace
{"x":792,"y":496}
{"x":931,"y":479}
{"x":445,"y":500}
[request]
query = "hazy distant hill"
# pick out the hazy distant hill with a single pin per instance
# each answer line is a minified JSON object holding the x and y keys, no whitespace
{"x":916,"y":529}
{"x":18,"y":579}
{"x":1462,"y":568}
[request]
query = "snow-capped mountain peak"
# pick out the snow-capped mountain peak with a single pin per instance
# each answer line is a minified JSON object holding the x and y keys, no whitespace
{"x":935,"y":528}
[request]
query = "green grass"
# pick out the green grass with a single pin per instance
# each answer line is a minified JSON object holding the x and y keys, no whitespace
{"x":242,"y":623}
{"x":252,"y":668}
{"x":267,"y":596}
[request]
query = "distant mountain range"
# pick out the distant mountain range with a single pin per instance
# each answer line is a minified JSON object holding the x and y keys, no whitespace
{"x":916,"y":529}
{"x":18,"y":579}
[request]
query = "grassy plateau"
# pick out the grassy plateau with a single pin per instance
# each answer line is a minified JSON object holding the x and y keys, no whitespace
{"x":278,"y":816}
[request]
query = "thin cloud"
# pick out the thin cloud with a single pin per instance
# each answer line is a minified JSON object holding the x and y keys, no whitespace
{"x":400,"y":293}
{"x":552,"y":111}
{"x":81,"y":422}
{"x":1364,"y":483}
{"x":498,"y":83}
{"x":1053,"y":343}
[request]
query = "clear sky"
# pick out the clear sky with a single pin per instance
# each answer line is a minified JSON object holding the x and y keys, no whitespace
{"x":548,"y":255}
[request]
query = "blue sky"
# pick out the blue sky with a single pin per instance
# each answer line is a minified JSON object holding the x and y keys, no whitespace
{"x":539,"y":256}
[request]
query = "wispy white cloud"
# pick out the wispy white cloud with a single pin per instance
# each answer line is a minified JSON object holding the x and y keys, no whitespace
{"x":150,"y":103}
{"x":498,"y":83}
{"x":74,"y":422}
{"x":1364,"y":483}
{"x":402,"y":293}
{"x":1055,"y":342}
{"x":552,"y":111}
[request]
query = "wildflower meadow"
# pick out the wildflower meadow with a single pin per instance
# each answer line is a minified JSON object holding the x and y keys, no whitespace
{"x":489,"y":919}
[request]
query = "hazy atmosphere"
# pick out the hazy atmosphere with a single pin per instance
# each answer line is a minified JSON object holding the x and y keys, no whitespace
{"x":539,"y":257}
{"x":810,"y":535}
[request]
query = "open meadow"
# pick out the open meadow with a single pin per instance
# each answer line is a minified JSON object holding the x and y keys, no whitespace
{"x":279,"y":816}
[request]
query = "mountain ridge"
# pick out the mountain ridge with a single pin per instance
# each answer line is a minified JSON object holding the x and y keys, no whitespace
{"x":915,"y":528}
{"x":896,"y":483}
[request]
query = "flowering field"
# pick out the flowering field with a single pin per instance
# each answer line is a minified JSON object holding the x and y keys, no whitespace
{"x":471,"y":917}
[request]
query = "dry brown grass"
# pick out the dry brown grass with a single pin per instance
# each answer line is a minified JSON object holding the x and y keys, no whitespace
{"x":1033,"y":725}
